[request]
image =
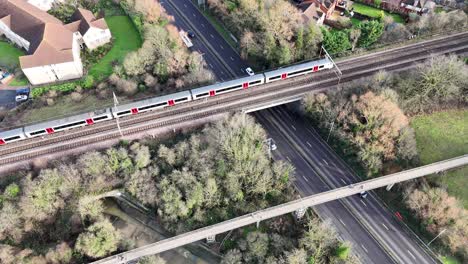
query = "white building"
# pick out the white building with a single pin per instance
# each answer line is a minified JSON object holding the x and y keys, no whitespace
{"x":95,"y":32}
{"x":53,"y":49}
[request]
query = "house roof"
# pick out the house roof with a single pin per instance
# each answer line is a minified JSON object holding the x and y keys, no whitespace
{"x":86,"y":20}
{"x":311,"y":11}
{"x":50,"y":42}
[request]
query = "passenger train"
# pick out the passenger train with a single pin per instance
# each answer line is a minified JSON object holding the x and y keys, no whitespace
{"x":142,"y":106}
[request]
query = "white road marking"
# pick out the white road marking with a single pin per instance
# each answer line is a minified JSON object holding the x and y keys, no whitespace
{"x":342,"y":222}
{"x":185,"y":5}
{"x":308,"y":144}
{"x":222,"y":72}
{"x":211,"y":66}
{"x":203,"y":25}
{"x":365,"y":249}
{"x":194,"y":15}
{"x":363,"y":203}
{"x":343,"y":181}
{"x":211,"y":35}
{"x":232,"y":58}
{"x":385,"y":227}
{"x":293,"y":127}
{"x":288,"y":159}
{"x":221,"y":46}
{"x":411,"y":255}
{"x":325,"y":162}
{"x":305,"y":179}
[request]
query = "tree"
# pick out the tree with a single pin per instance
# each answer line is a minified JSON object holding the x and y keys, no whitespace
{"x":354,"y":35}
{"x":89,"y":206}
{"x":297,"y":256}
{"x":394,"y":32}
{"x":335,"y":41}
{"x":99,"y":240}
{"x":439,"y":211}
{"x":61,"y":254}
{"x":63,"y":10}
{"x":438,"y":82}
{"x":370,"y":32}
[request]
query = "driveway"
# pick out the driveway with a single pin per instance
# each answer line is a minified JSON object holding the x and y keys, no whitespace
{"x":7,"y":96}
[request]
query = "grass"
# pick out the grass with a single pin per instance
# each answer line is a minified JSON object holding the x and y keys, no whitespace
{"x":449,"y":260}
{"x":9,"y":55}
{"x":440,"y":136}
{"x":355,"y":21}
{"x":64,"y":106}
{"x":375,"y":12}
{"x":19,"y":82}
{"x":126,"y":39}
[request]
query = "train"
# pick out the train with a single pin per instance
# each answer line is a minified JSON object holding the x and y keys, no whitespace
{"x":91,"y":118}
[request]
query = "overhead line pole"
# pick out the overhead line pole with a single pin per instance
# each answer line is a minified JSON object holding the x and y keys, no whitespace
{"x":256,"y":217}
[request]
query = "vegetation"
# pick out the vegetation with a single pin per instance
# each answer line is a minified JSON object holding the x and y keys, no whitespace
{"x":268,"y":31}
{"x":9,"y":56}
{"x":439,"y":136}
{"x":125,"y":40}
{"x":440,"y":212}
{"x":375,"y":12}
{"x":368,"y":122}
{"x":373,"y":128}
{"x":210,"y":176}
{"x":316,"y":242}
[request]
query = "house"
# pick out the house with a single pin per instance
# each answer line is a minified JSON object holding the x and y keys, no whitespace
{"x":53,"y":51}
{"x":44,"y":5}
{"x":318,"y":10}
{"x":94,"y":32}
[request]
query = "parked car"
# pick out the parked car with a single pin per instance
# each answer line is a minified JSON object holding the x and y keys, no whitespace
{"x":22,"y":95}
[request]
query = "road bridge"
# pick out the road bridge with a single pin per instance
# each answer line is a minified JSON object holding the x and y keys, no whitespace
{"x":282,"y":209}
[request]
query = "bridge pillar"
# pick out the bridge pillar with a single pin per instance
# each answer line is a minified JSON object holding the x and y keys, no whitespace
{"x":300,"y":213}
{"x":211,"y":239}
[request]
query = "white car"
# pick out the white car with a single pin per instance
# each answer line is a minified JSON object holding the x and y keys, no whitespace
{"x":21,"y":98}
{"x":249,"y":71}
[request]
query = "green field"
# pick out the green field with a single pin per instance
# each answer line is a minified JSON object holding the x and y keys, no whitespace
{"x":442,"y":136}
{"x":375,"y":12}
{"x":9,"y":55}
{"x":126,"y":39}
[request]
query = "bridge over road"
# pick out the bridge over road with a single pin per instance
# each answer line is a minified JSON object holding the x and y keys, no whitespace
{"x":293,"y":206}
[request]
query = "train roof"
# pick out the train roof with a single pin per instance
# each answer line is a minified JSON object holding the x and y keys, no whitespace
{"x":10,"y":133}
{"x":66,"y":120}
{"x":298,"y":67}
{"x":219,"y":85}
{"x":151,"y":101}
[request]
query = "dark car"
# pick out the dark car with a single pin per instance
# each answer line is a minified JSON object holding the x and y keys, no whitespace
{"x":190,"y":34}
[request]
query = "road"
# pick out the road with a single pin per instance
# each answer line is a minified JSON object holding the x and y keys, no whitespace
{"x":368,"y":246}
{"x":299,"y":143}
{"x":207,"y":40}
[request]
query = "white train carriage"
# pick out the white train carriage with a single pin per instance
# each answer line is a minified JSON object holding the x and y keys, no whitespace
{"x":11,"y":136}
{"x":297,"y":70}
{"x":68,"y":123}
{"x":229,"y":86}
{"x":151,"y":104}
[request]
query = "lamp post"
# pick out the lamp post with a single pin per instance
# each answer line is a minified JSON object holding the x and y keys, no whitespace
{"x":441,"y":232}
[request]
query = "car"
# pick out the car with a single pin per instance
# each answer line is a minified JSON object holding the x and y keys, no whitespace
{"x":249,"y":71}
{"x":363,"y":194}
{"x":21,"y":98}
{"x":273,"y":146}
{"x":190,"y":34}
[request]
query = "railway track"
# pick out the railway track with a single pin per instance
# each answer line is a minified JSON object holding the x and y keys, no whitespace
{"x":389,"y":60}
